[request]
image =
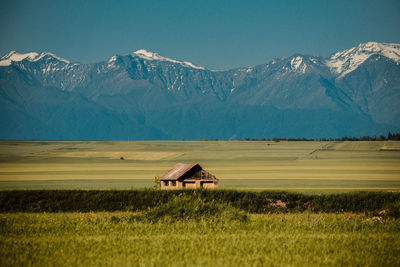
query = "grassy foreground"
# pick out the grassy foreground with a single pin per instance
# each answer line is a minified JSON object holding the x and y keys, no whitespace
{"x":120,"y":239}
{"x":198,"y":227}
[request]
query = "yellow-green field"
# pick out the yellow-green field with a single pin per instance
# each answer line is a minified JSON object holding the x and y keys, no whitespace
{"x":114,"y":239}
{"x":298,"y":166}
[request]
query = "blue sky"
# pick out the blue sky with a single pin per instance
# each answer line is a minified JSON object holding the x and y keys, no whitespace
{"x":215,"y":34}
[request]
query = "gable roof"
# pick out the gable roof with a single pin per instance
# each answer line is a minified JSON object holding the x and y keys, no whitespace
{"x":178,"y":171}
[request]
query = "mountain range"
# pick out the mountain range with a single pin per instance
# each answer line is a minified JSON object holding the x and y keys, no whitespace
{"x":145,"y":96}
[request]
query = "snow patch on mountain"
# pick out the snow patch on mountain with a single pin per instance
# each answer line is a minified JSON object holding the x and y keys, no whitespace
{"x":112,"y":59}
{"x":191,"y":65}
{"x":14,"y":56}
{"x":111,"y":62}
{"x":297,"y":64}
{"x":344,"y":62}
{"x":143,"y":53}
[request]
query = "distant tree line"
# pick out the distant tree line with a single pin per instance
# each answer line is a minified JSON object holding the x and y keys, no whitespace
{"x":390,"y":136}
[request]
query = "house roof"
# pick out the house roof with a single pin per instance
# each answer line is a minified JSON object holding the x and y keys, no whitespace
{"x":178,"y":171}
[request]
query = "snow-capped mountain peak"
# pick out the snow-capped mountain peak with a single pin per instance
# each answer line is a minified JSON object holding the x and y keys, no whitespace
{"x":14,"y":56}
{"x":143,"y":53}
{"x":344,"y":62}
{"x":42,"y":55}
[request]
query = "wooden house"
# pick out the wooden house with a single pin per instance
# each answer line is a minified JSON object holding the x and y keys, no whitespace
{"x":188,"y":176}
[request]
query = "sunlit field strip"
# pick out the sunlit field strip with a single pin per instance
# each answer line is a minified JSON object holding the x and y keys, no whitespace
{"x":247,"y":163}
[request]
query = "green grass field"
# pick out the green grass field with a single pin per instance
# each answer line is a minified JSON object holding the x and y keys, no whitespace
{"x":183,"y":232}
{"x":294,"y":166}
{"x":114,"y":239}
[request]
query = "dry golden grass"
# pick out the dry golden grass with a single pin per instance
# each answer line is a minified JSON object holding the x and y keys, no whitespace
{"x":228,"y":160}
{"x":128,"y":155}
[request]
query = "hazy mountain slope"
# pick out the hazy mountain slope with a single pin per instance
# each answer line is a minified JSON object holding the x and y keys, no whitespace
{"x":147,"y":96}
{"x":375,"y":87}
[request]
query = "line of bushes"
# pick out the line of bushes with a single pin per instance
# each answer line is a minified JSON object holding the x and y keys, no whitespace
{"x":144,"y":199}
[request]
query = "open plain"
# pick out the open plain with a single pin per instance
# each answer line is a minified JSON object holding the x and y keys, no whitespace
{"x":309,"y":167}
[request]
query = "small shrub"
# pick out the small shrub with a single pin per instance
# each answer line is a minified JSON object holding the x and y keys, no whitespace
{"x":157,"y":182}
{"x":185,"y":208}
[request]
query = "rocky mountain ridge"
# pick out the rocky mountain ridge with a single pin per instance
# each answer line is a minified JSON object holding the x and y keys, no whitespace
{"x":147,"y":96}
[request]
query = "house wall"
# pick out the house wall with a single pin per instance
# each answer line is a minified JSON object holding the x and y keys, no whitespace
{"x":189,"y":184}
{"x":164,"y":184}
{"x":170,"y":184}
{"x":209,"y":185}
